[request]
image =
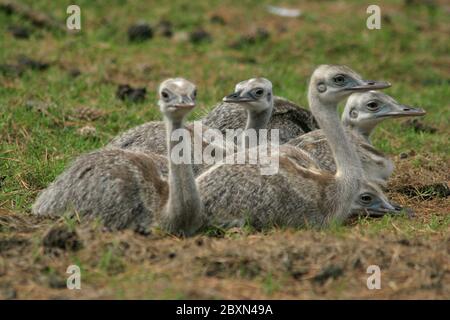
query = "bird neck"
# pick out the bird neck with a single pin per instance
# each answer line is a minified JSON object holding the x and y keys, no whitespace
{"x":184,"y":208}
{"x":348,"y":165}
{"x":258,"y":119}
{"x":364,"y":131}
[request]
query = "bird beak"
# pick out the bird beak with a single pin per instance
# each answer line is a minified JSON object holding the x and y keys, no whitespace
{"x":404,"y":111}
{"x":237,"y":97}
{"x":370,"y":85}
{"x":383,"y":208}
{"x":186,"y":102}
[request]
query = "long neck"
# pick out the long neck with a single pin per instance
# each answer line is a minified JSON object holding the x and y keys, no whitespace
{"x":347,"y":161}
{"x":362,"y":130}
{"x":258,"y":120}
{"x":348,"y":165}
{"x":184,"y":209}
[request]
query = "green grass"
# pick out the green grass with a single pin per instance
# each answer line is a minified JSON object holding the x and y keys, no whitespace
{"x":270,"y":285}
{"x":411,"y":51}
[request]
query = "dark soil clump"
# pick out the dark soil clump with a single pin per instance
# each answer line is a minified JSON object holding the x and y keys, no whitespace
{"x":127,"y":93}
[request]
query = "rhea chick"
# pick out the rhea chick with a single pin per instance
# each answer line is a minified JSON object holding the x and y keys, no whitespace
{"x":298,"y":193}
{"x":124,"y":189}
{"x":362,"y":113}
{"x":290,"y":119}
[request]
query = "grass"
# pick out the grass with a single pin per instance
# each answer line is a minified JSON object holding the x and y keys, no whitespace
{"x":39,"y":122}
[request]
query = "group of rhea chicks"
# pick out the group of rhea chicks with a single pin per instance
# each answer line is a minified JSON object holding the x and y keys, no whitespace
{"x":325,"y":175}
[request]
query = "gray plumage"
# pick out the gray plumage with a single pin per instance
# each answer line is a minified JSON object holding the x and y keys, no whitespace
{"x":124,"y":188}
{"x":150,"y":137}
{"x":289,"y":118}
{"x":299,"y":193}
{"x":362,"y":113}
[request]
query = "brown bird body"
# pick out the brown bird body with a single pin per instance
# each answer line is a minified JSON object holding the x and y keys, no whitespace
{"x":290,"y":119}
{"x":299,"y":193}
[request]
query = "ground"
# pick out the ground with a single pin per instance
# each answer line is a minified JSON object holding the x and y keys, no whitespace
{"x":51,"y":113}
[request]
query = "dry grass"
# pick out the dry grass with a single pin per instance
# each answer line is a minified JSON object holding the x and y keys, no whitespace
{"x":283,"y":264}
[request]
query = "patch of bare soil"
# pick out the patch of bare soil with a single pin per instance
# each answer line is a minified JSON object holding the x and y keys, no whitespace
{"x":421,"y":182}
{"x":287,"y":264}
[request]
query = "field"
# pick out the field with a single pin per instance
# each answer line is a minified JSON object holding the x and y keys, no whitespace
{"x":63,"y":102}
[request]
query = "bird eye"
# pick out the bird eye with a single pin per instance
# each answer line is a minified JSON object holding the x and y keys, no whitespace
{"x":259,"y":92}
{"x":165,"y":95}
{"x":372,"y":106}
{"x":366,"y":198}
{"x":339,"y":80}
{"x":194,"y":94}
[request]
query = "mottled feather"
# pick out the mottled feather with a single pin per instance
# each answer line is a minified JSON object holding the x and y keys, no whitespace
{"x":377,"y":167}
{"x":121,"y":188}
{"x":288,"y":117}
